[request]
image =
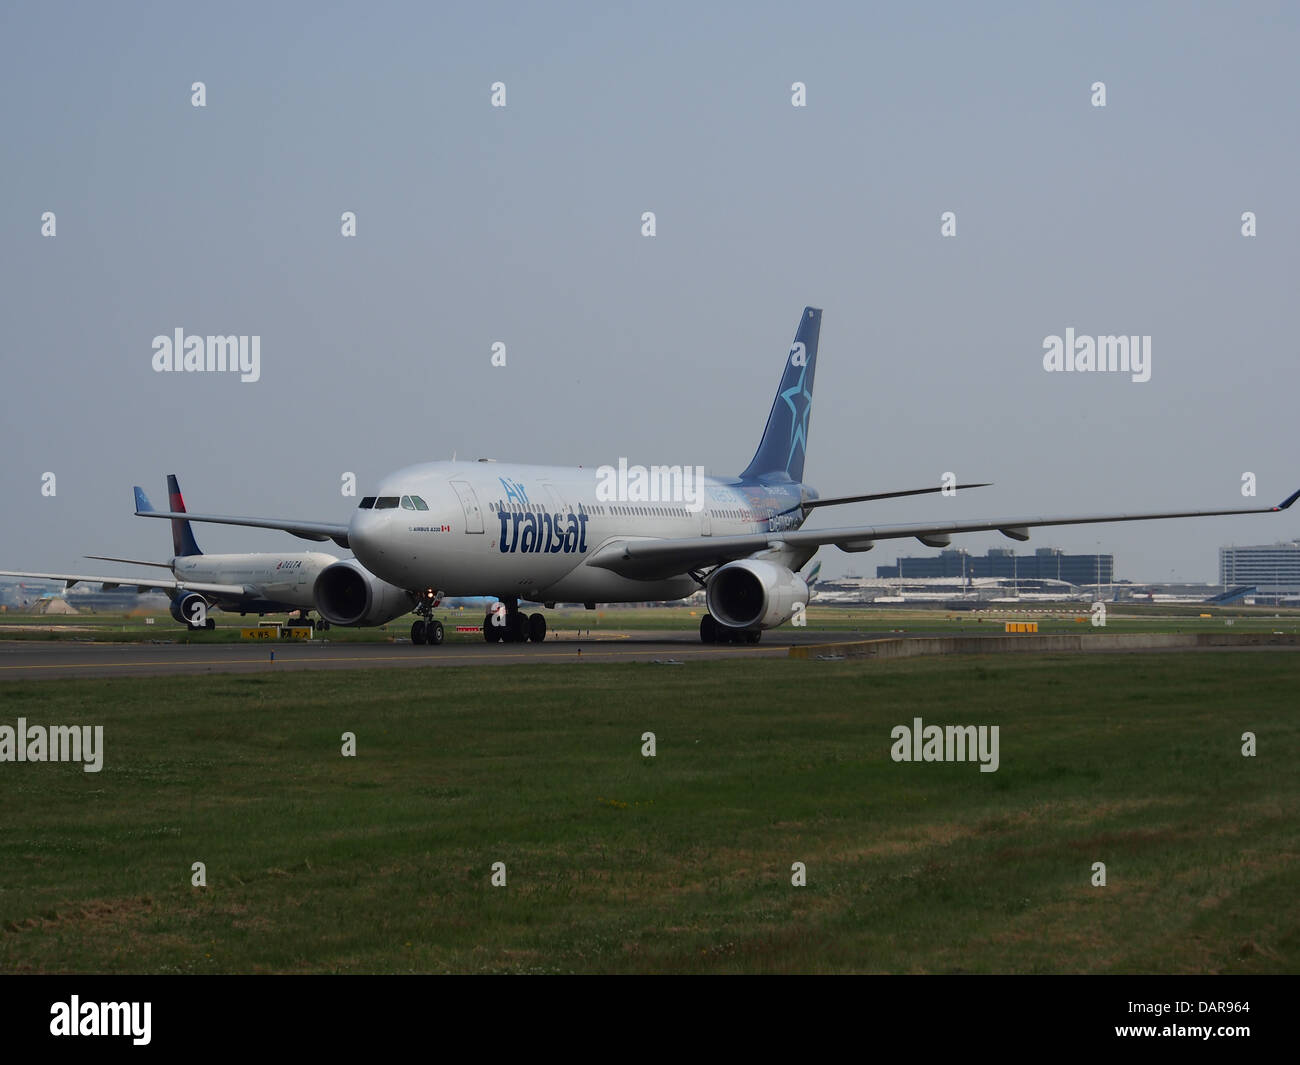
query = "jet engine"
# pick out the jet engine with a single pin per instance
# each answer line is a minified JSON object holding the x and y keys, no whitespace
{"x":349,"y":594}
{"x":754,"y":594}
{"x":183,"y":606}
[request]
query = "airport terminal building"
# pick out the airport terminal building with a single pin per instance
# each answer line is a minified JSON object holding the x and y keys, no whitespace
{"x":1047,"y":563}
{"x":1274,"y":569}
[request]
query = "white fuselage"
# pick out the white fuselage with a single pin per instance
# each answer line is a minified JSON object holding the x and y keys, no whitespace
{"x":276,"y":578}
{"x":519,"y":530}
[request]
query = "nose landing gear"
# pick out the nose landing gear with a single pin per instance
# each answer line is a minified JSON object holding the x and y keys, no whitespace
{"x":427,"y":630}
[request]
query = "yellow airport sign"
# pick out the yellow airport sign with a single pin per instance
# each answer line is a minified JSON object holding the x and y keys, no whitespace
{"x":277,"y":632}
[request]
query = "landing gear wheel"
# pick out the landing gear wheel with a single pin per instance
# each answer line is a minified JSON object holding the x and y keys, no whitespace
{"x":210,"y":624}
{"x":753,"y":635}
{"x":536,"y":628}
{"x":417,"y":632}
{"x":433,"y":633}
{"x":492,"y":633}
{"x":323,"y":625}
{"x":516,"y":627}
{"x":708,"y":629}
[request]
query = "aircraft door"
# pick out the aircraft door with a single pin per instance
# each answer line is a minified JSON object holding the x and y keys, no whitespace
{"x":557,"y":501}
{"x":469,"y":503}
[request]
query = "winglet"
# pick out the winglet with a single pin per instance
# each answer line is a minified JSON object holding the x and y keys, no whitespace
{"x":142,"y":504}
{"x":1288,"y":500}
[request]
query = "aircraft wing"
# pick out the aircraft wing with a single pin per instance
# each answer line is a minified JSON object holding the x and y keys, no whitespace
{"x":656,"y":559}
{"x":142,"y":584}
{"x":307,"y":530}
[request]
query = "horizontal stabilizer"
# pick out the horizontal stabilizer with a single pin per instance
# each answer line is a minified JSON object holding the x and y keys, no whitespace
{"x":306,"y":530}
{"x":131,"y":561}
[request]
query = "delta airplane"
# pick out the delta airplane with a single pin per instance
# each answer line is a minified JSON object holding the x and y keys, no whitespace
{"x":546,"y":534}
{"x":247,"y":583}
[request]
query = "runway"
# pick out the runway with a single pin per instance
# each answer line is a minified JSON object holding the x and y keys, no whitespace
{"x":29,"y":660}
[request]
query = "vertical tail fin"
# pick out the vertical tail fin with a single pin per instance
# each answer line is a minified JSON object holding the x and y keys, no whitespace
{"x":183,"y":542}
{"x":780,"y":453}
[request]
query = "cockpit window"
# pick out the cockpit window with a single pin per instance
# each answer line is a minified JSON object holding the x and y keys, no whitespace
{"x":407,"y":504}
{"x":386,"y":503}
{"x":367,"y":503}
{"x":420,"y":504}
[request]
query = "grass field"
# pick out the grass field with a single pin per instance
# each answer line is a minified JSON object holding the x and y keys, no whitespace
{"x":832,"y":620}
{"x":679,"y":863}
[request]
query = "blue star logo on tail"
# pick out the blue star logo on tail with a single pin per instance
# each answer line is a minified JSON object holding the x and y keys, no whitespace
{"x":795,"y":396}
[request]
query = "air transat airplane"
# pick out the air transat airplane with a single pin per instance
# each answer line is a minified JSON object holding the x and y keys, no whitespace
{"x":279,"y":583}
{"x":551,"y":533}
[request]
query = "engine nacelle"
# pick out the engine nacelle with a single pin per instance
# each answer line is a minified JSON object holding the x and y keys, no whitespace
{"x":349,"y":594}
{"x":754,"y":594}
{"x":182,"y":608}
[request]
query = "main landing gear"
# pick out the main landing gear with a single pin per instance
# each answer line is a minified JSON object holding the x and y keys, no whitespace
{"x":506,"y":623}
{"x":712,"y":631}
{"x":426,"y":630}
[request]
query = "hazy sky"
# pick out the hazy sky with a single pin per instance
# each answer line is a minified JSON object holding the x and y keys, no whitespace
{"x":522,"y":225}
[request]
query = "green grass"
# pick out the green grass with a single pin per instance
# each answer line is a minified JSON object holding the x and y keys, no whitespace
{"x":679,"y":863}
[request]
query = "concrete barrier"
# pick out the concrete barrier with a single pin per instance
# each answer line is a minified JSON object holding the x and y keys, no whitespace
{"x":1057,"y":643}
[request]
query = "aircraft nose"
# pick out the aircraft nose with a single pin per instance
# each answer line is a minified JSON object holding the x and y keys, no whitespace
{"x":364,"y":537}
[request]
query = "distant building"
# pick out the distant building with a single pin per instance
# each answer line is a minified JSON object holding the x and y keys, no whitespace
{"x":89,"y":598}
{"x":948,"y":590}
{"x":1274,"y":569}
{"x":1047,"y":563}
{"x":20,"y":595}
